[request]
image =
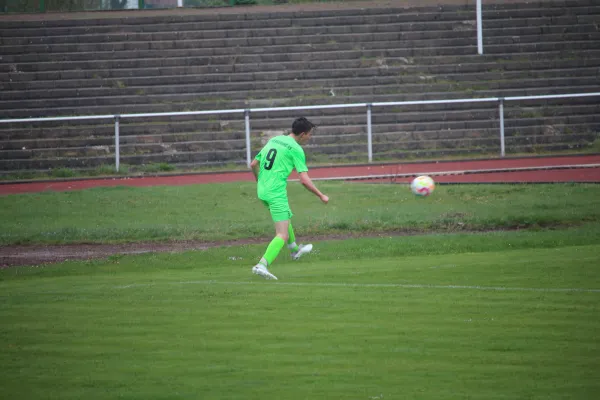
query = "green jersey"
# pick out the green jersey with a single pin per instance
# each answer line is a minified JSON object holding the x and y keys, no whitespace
{"x":277,"y":160}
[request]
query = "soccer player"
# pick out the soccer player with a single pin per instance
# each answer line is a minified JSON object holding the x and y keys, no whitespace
{"x":271,"y":168}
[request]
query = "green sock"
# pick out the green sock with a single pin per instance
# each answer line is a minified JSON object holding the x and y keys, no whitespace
{"x":292,"y":239}
{"x":273,"y":249}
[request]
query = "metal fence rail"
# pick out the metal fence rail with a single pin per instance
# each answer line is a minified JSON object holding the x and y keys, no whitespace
{"x":247,"y":113}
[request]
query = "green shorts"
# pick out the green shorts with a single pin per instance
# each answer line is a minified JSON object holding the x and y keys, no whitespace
{"x":279,"y":208}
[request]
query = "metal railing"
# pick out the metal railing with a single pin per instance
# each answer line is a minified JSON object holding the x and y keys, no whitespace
{"x":248,"y":111}
{"x":479,"y":19}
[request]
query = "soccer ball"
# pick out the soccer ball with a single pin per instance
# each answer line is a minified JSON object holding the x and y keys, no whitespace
{"x":422,"y":185}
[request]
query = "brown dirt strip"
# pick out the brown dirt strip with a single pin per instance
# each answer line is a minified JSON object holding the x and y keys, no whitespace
{"x":21,"y":255}
{"x":36,"y":255}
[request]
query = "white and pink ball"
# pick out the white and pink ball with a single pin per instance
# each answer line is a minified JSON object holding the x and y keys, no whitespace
{"x":422,"y":185}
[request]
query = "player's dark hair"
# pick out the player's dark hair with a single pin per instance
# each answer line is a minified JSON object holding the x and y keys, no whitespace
{"x":302,"y":125}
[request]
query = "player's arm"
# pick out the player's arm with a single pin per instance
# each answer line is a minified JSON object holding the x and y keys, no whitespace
{"x":310,"y":186}
{"x":255,"y":166}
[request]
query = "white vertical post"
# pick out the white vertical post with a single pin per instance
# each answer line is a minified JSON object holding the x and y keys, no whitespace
{"x":369,"y":132}
{"x":117,"y":149}
{"x":479,"y":29}
{"x":248,"y":150}
{"x":501,"y":112}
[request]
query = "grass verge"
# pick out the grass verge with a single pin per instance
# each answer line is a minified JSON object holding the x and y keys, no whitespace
{"x":231,"y":211}
{"x":441,"y":316}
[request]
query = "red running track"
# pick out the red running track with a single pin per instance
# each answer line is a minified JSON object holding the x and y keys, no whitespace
{"x":541,"y":175}
{"x":591,"y":175}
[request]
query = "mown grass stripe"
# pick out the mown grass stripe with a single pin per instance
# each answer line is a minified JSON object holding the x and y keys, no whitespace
{"x":368,"y":285}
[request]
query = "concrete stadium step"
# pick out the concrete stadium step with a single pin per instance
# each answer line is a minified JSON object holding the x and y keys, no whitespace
{"x":290,"y":79}
{"x":198,"y":158}
{"x":468,"y":144}
{"x":408,"y":30}
{"x":342,"y":77}
{"x":248,"y":20}
{"x":502,"y":60}
{"x":279,"y":45}
{"x":243,"y":45}
{"x":408,"y":143}
{"x":406,"y":56}
{"x":356,"y":144}
{"x":569,"y":141}
{"x":521,"y":111}
{"x":125,"y":149}
{"x":332,"y":133}
{"x":281,"y":23}
{"x":399,"y":154}
{"x":434,"y":148}
{"x":488,"y":132}
{"x":258,"y":122}
{"x":66,"y":142}
{"x":148,"y":130}
{"x":282,"y":44}
{"x":268,"y":36}
{"x":177,"y":33}
{"x":577,"y":123}
{"x":225,"y":124}
{"x":288,"y":88}
{"x":404,"y":119}
{"x":104,"y":25}
{"x":173,"y":75}
{"x":219,"y":104}
{"x":256,"y":20}
{"x":462,"y":153}
{"x":190,"y":46}
{"x":227,"y":55}
{"x":143,"y":58}
{"x":257,"y":27}
{"x":148,"y":55}
{"x":337,"y":151}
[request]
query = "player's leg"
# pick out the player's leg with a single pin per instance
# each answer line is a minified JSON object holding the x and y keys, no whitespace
{"x":273,"y":249}
{"x":296,"y":250}
{"x":291,"y":243}
{"x":281,"y":214}
{"x":281,"y":236}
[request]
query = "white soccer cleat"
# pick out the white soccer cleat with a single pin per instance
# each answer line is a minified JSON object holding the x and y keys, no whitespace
{"x":261,"y":270}
{"x":304,"y":249}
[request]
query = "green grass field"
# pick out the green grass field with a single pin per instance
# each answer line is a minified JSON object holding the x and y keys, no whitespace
{"x":231,"y":211}
{"x":507,"y":314}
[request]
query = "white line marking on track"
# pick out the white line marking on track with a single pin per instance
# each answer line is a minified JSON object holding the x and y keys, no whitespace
{"x":133,"y":285}
{"x":457,"y":172}
{"x":375,"y":285}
